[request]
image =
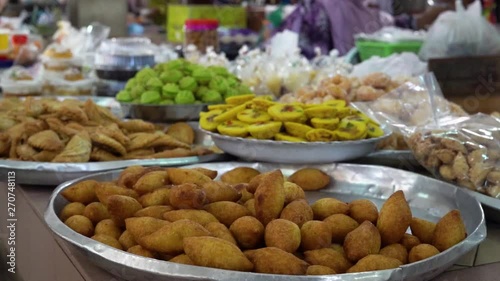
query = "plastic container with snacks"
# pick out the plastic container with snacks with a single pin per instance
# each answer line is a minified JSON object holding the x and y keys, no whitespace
{"x":19,"y":82}
{"x":72,"y":83}
{"x":56,"y":59}
{"x":201,"y":33}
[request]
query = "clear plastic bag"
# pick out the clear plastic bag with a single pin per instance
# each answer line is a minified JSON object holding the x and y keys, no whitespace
{"x":464,"y":32}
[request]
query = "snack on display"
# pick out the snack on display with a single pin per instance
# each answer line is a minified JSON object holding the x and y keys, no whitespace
{"x":465,"y":152}
{"x":260,"y":224}
{"x":20,"y":82}
{"x":71,"y":83}
{"x":182,"y":83}
{"x":57,"y":58}
{"x":74,"y":131}
{"x":263,"y":119}
{"x":349,"y":89}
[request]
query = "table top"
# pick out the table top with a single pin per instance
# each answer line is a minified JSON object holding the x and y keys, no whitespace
{"x":40,"y":255}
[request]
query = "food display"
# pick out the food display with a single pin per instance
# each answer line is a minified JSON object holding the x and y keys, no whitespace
{"x":466,"y":153}
{"x":56,"y":59}
{"x":253,"y":221}
{"x":71,"y":83}
{"x":19,"y":82}
{"x":74,"y":131}
{"x":263,"y":119}
{"x":179,"y":82}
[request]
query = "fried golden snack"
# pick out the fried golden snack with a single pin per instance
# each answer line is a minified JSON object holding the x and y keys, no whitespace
{"x":396,"y":251}
{"x":143,"y":226}
{"x":339,"y":248}
{"x":78,"y":149}
{"x":282,"y":234}
{"x":297,"y":130}
{"x":248,"y":232}
{"x":25,"y":152}
{"x":394,"y":218}
{"x":127,"y":240}
{"x":363,"y":210}
{"x":130,"y":175}
{"x":264,"y":131}
{"x":363,"y":241}
{"x":219,"y":230}
{"x":423,"y":229}
{"x":216,"y":191}
{"x":207,"y":172}
{"x":287,"y":112}
{"x":373,"y":263}
{"x":450,"y":230}
{"x":245,"y":195}
{"x":250,"y":205}
{"x":136,"y":125}
{"x":254,"y":183}
{"x":156,"y":211}
{"x":179,"y":176}
{"x":182,"y":132}
{"x":81,"y":225}
{"x":319,"y":270}
{"x":298,"y":212}
{"x":276,"y":261}
{"x":99,"y":154}
{"x":108,"y":143}
{"x":226,"y":212}
{"x":74,"y":208}
{"x":270,"y":197}
{"x":328,"y":257}
{"x":199,"y":216}
{"x":216,"y":253}
{"x":422,"y":252}
{"x":340,"y":225}
{"x":409,"y":241}
{"x":121,"y":207}
{"x":83,"y":192}
{"x":169,"y":239}
{"x":233,"y":128}
{"x":96,"y":212}
{"x":326,"y":207}
{"x":293,"y":192}
{"x":45,"y":156}
{"x":310,"y":179}
{"x":46,"y":140}
{"x":108,"y":240}
{"x":187,"y":196}
{"x":182,"y":259}
{"x":108,"y":227}
{"x":239,"y":175}
{"x":151,"y":181}
{"x":160,"y":196}
{"x":140,"y":251}
{"x":104,"y":190}
{"x":315,"y":235}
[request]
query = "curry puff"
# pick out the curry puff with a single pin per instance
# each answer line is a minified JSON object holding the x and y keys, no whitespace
{"x":73,"y":131}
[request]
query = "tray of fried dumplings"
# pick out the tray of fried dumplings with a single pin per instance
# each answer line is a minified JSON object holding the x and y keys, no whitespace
{"x":47,"y":141}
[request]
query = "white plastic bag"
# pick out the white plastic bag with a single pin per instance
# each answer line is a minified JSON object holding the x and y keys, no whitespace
{"x":463,"y":32}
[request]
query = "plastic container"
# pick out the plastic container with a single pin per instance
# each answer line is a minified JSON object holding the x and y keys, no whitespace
{"x":18,"y":82}
{"x":369,"y":49}
{"x":57,"y":59}
{"x":120,"y":58}
{"x":201,"y":33}
{"x":72,"y":83}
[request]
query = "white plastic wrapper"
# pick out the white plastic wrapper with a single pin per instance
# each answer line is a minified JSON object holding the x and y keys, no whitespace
{"x":397,"y":65}
{"x":464,"y":32}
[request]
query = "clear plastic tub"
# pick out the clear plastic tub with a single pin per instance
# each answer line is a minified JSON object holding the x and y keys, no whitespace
{"x":19,"y":82}
{"x":57,"y":58}
{"x":71,"y":83}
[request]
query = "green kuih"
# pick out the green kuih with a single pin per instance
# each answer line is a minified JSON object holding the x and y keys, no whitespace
{"x":145,"y":73}
{"x":188,"y":84}
{"x":150,"y":97}
{"x":170,"y":90}
{"x":219,"y":70}
{"x":154,"y":84}
{"x":171,"y":76}
{"x":176,"y":64}
{"x":184,"y":97}
{"x":232,"y":82}
{"x":167,"y":102}
{"x":202,"y":75}
{"x":137,"y":91}
{"x":218,"y":84}
{"x":124,"y":96}
{"x":200,"y":92}
{"x":212,"y":96}
{"x":190,"y":68}
{"x":131,"y":83}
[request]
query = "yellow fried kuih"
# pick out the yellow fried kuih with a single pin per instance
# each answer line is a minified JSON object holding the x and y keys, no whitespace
{"x":253,"y":221}
{"x":264,"y":130}
{"x":253,"y":116}
{"x":233,"y":128}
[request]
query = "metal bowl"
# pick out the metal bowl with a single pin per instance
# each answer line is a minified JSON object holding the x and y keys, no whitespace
{"x":295,"y":152}
{"x":163,"y":113}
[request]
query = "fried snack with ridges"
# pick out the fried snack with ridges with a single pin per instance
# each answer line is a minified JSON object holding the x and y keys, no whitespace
{"x":77,"y":150}
{"x":25,"y":152}
{"x":45,"y":156}
{"x":99,"y":154}
{"x":98,"y":114}
{"x":108,"y":143}
{"x":166,"y":140}
{"x":136,"y":125}
{"x":181,"y":132}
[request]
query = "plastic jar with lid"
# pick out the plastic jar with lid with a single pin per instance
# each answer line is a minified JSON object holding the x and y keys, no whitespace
{"x":201,"y":33}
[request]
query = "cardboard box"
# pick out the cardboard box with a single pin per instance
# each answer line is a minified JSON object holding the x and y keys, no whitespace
{"x":228,"y":16}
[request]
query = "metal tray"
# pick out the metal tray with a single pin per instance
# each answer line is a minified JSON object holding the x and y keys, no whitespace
{"x":295,"y":152}
{"x":47,"y":173}
{"x":428,"y":198}
{"x":402,"y":159}
{"x":163,"y":113}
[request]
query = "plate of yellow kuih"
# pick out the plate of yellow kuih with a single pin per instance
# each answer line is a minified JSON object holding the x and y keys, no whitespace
{"x":259,"y":129}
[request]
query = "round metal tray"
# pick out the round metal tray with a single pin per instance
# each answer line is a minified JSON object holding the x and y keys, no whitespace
{"x":163,"y":113}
